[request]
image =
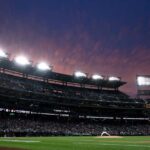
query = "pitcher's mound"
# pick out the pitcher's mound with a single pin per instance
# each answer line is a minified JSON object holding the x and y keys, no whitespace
{"x":109,"y":137}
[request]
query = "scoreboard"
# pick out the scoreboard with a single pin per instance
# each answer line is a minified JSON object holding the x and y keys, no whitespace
{"x":143,"y":86}
{"x":143,"y":80}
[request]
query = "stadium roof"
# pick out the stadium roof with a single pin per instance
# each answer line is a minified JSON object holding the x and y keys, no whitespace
{"x":7,"y":64}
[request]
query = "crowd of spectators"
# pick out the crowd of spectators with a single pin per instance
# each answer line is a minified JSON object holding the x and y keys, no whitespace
{"x":26,"y":127}
{"x":21,"y":84}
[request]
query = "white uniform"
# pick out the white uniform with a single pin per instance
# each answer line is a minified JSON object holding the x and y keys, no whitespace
{"x":105,"y":132}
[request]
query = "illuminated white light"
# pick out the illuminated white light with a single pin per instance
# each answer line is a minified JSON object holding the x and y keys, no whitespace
{"x":80,"y":74}
{"x":3,"y":54}
{"x":21,"y":60}
{"x":114,"y":79}
{"x":145,"y":81}
{"x":97,"y":77}
{"x":43,"y":66}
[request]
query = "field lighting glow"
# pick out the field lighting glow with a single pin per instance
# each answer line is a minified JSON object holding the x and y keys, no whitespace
{"x":3,"y":54}
{"x":97,"y":77}
{"x":143,"y":81}
{"x":43,"y":66}
{"x":80,"y":74}
{"x":114,"y":79}
{"x":21,"y":60}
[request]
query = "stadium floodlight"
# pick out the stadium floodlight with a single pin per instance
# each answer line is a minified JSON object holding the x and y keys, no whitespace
{"x":3,"y":54}
{"x":21,"y":60}
{"x":97,"y":77}
{"x":114,"y":79}
{"x":143,"y":81}
{"x":43,"y":66}
{"x":80,"y":74}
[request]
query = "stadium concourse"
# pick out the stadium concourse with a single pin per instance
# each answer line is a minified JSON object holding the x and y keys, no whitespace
{"x":36,"y":101}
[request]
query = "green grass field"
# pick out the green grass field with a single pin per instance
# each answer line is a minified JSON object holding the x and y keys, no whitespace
{"x":77,"y":143}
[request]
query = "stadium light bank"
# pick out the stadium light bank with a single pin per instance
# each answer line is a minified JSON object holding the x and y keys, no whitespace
{"x":114,"y":78}
{"x":43,"y":66}
{"x":22,"y":60}
{"x":79,"y":74}
{"x":3,"y":54}
{"x":97,"y":77}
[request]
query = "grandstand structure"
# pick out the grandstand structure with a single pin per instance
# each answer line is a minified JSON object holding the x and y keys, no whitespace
{"x":28,"y":89}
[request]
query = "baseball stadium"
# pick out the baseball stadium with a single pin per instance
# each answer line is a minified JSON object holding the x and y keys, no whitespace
{"x":74,"y":74}
{"x":44,"y":110}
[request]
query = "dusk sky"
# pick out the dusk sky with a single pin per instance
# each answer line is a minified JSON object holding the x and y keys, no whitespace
{"x":109,"y":37}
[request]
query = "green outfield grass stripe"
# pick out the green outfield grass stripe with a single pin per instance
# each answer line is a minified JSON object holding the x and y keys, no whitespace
{"x":127,"y":145}
{"x":77,"y":143}
{"x":111,"y":144}
{"x":20,"y":141}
